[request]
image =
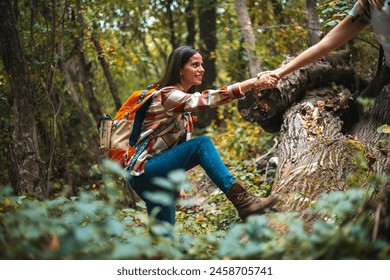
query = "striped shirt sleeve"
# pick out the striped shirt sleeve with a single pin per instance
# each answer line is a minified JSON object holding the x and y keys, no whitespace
{"x":178,"y":101}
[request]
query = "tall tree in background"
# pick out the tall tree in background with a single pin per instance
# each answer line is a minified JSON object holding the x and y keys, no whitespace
{"x":190,"y":23}
{"x":207,"y":46}
{"x":278,"y":11}
{"x":25,"y":168}
{"x":85,"y":68}
{"x":168,"y":4}
{"x":313,"y":22}
{"x":249,"y":36}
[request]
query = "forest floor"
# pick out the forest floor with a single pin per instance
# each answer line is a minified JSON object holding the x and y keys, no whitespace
{"x":201,"y":186}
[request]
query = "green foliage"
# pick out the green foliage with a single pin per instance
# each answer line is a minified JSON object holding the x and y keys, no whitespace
{"x":364,"y":48}
{"x":213,"y":216}
{"x":236,"y":138}
{"x":5,"y":126}
{"x":95,"y":225}
{"x":280,"y":29}
{"x":334,"y":11}
{"x":384,"y":129}
{"x":258,"y":238}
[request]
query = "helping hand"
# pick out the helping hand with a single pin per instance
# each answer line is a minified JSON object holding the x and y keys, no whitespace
{"x":267,"y":80}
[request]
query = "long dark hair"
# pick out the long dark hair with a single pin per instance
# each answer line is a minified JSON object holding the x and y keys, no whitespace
{"x":176,"y":60}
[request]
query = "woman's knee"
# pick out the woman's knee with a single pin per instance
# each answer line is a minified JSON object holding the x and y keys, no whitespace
{"x":204,"y":140}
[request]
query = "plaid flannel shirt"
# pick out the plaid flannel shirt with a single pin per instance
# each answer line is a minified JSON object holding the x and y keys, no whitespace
{"x":171,"y":104}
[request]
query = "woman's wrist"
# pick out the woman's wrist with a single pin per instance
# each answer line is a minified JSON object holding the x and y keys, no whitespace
{"x":253,"y":83}
{"x":280,"y":72}
{"x":247,"y":85}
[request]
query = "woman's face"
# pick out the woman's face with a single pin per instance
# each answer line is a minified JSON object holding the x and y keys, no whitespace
{"x":192,"y":72}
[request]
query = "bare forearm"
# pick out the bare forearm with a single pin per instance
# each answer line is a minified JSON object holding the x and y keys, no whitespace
{"x":264,"y":80}
{"x":310,"y":55}
{"x":247,"y":85}
{"x":338,"y":36}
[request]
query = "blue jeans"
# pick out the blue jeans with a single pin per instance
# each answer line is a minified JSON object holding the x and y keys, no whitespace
{"x":198,"y":151}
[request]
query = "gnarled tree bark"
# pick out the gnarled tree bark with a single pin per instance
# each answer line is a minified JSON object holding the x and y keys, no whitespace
{"x":313,"y":22}
{"x":26,"y":170}
{"x":326,"y":143}
{"x":267,"y":107}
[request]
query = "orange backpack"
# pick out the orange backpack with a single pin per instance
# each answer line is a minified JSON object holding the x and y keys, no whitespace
{"x":118,"y":136}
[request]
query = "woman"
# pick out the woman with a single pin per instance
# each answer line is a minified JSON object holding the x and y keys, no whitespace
{"x":171,"y":149}
{"x":364,"y":11}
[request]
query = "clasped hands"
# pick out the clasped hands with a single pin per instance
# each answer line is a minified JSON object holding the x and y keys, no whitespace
{"x":266,"y":80}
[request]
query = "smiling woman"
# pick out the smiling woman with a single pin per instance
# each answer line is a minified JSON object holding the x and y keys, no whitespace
{"x":167,"y":129}
{"x":191,"y":73}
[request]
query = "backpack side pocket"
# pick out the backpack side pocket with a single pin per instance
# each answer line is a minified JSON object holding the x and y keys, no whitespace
{"x":104,"y":127}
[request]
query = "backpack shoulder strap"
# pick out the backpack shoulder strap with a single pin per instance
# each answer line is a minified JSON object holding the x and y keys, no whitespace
{"x":380,"y":59}
{"x":138,"y":120}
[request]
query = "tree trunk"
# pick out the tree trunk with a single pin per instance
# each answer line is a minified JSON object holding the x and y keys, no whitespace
{"x":87,"y":79}
{"x":114,"y":92}
{"x":326,"y":143}
{"x":382,"y":226}
{"x":190,"y":23}
{"x":375,"y":116}
{"x":65,"y":67}
{"x":278,"y":9}
{"x":249,"y":36}
{"x":208,"y":41}
{"x":314,"y":156}
{"x":313,"y":22}
{"x":148,"y":54}
{"x":171,"y":23}
{"x":107,"y":73}
{"x":380,"y":144}
{"x":26,"y":167}
{"x":267,"y":107}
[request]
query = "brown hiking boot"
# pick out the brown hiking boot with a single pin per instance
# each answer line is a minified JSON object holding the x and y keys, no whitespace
{"x":246,"y":203}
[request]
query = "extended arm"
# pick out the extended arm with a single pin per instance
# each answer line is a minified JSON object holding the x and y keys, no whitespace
{"x":338,"y":36}
{"x":261,"y":82}
{"x":175,"y":100}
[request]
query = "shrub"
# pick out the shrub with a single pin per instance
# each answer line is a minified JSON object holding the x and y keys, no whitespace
{"x":95,"y":225}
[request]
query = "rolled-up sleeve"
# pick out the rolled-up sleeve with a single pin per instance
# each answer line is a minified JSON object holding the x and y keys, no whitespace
{"x":361,"y":17}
